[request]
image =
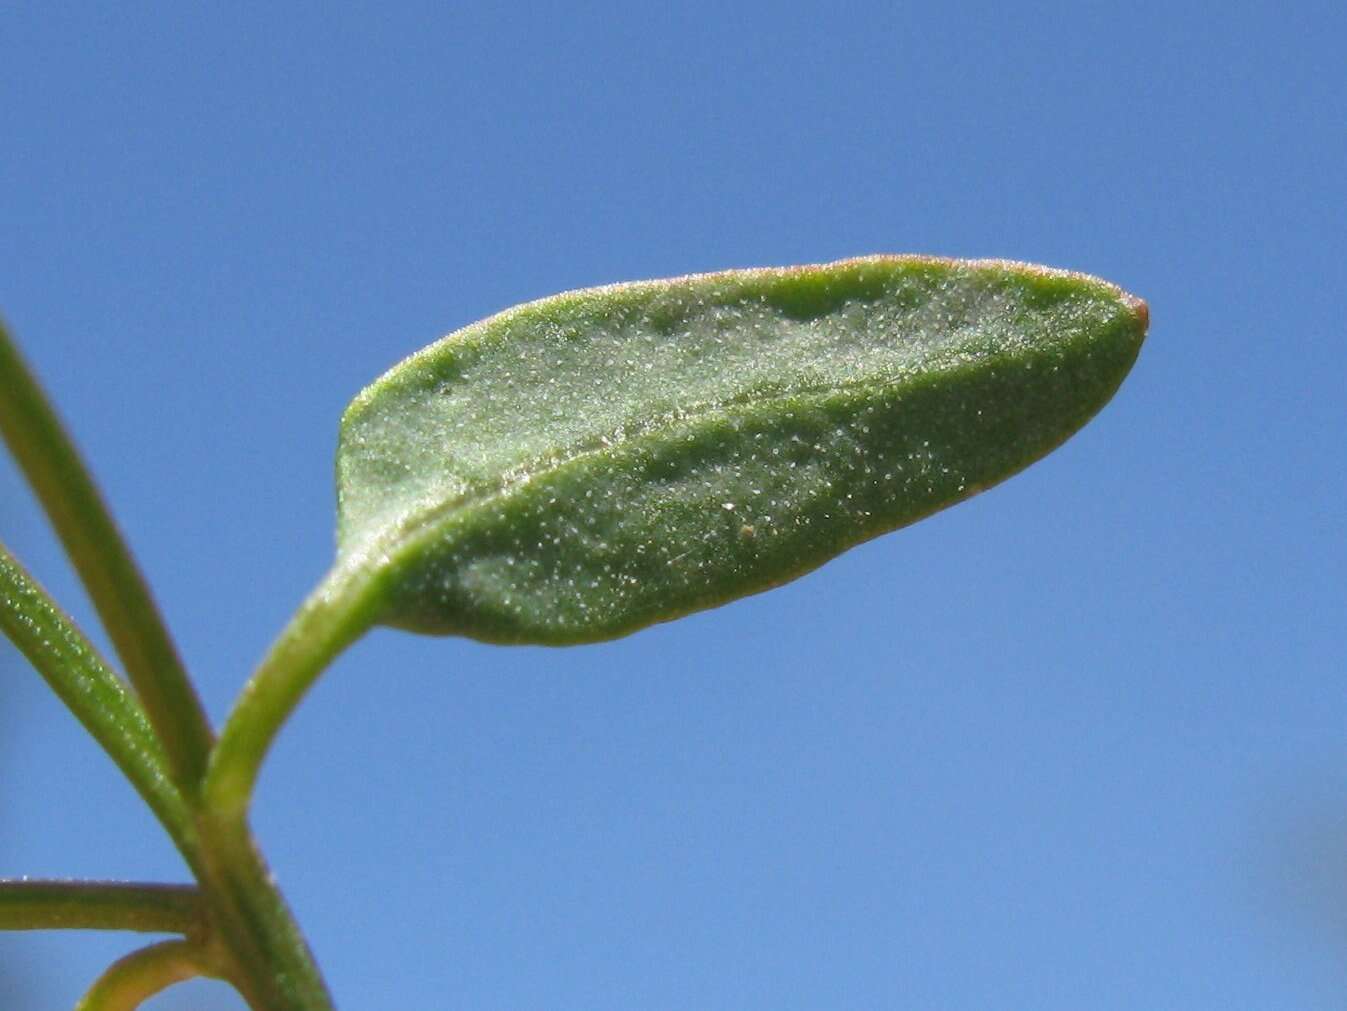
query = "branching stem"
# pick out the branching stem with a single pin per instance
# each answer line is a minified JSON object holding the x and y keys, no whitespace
{"x":67,"y":492}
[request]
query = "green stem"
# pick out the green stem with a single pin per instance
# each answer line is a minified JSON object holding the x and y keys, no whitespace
{"x":94,"y":693}
{"x":140,"y":975}
{"x":252,"y":932}
{"x":67,"y":492}
{"x":335,"y":615}
{"x":274,"y":968}
{"x":269,"y":961}
{"x":99,"y":905}
{"x":272,"y":965}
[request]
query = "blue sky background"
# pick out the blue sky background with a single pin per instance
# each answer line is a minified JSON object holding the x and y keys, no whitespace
{"x":1080,"y":742}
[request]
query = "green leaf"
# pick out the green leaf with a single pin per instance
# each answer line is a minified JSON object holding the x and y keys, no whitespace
{"x":579,"y":467}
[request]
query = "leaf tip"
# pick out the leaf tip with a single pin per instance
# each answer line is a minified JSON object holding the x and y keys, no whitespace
{"x":1140,"y":310}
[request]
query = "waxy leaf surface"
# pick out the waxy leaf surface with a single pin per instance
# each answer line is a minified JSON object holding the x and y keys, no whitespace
{"x":579,"y":467}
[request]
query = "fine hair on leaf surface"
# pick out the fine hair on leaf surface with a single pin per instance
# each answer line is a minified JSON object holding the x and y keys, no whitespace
{"x":567,"y":471}
{"x":579,"y":467}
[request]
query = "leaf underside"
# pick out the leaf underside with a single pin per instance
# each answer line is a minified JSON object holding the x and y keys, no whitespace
{"x":579,"y":467}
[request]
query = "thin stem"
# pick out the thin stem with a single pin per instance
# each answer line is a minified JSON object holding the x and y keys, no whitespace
{"x":67,"y":492}
{"x":94,"y":693}
{"x":338,"y":612}
{"x":100,"y":905}
{"x":274,"y":968}
{"x":131,"y":981}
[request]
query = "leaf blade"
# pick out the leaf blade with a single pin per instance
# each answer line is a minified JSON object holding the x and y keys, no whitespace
{"x":580,"y":467}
